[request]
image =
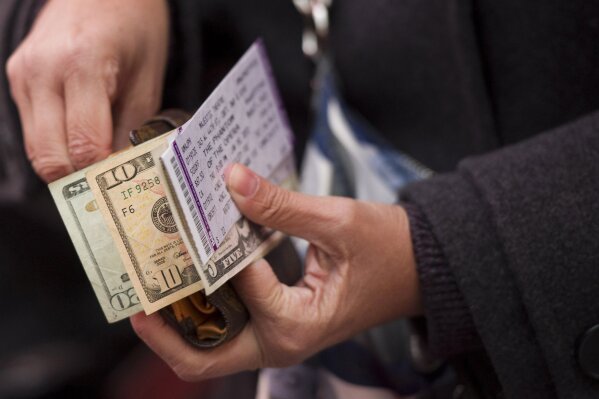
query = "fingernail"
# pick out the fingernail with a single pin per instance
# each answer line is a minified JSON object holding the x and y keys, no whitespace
{"x":241,"y":180}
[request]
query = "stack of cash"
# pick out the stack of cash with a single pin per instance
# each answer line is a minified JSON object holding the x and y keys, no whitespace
{"x":154,"y":223}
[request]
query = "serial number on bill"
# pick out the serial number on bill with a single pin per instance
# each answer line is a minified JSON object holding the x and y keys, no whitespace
{"x":140,"y":187}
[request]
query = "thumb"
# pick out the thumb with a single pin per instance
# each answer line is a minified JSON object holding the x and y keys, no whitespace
{"x":266,"y":204}
{"x":258,"y":287}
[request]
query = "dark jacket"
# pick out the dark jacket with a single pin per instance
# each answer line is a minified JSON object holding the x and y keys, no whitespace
{"x":503,"y":98}
{"x":507,"y":238}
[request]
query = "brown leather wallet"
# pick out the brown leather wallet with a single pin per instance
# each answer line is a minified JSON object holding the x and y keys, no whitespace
{"x":208,"y":321}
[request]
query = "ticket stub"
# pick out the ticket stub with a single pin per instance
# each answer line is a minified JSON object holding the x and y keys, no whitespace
{"x":244,"y":121}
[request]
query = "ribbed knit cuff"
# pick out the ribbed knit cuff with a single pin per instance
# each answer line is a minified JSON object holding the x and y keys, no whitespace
{"x":450,"y":326}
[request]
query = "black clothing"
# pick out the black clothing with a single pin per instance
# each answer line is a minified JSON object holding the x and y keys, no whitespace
{"x":518,"y":229}
{"x":513,"y":230}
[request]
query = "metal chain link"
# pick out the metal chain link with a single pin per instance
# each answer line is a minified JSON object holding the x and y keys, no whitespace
{"x":316,"y":26}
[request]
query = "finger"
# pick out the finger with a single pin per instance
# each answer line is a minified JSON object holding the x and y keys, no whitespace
{"x":259,"y":288}
{"x":38,"y":97}
{"x":88,"y":119}
{"x":241,"y":353}
{"x":160,"y":337}
{"x":45,"y":140}
{"x":297,"y":214}
{"x":20,"y":96}
{"x":19,"y":91}
{"x":139,"y":102}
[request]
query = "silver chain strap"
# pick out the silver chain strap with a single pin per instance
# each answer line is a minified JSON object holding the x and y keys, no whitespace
{"x":316,"y":25}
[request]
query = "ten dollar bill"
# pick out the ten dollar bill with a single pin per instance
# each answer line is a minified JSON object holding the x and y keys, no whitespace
{"x":130,"y":194}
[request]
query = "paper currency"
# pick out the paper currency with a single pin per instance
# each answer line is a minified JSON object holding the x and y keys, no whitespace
{"x":246,"y":242}
{"x":131,"y":196}
{"x":139,"y":219}
{"x":95,"y":247}
{"x":241,"y":121}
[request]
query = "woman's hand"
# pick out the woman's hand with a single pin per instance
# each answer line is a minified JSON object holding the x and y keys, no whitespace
{"x":87,"y":73}
{"x":359,"y":272}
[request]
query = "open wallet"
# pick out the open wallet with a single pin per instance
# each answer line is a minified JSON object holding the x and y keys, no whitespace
{"x":206,"y":321}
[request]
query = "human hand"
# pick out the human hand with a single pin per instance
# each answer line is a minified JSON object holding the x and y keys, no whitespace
{"x":87,"y":69}
{"x":359,"y":272}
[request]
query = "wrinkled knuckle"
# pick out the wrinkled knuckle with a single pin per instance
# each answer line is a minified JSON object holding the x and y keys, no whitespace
{"x":188,"y":371}
{"x":25,"y":60}
{"x":50,"y":171}
{"x":83,"y":144}
{"x":32,"y":59}
{"x":15,"y":78}
{"x":83,"y":152}
{"x":111,"y":71}
{"x":273,"y":204}
{"x":292,"y":350}
{"x":49,"y":166}
{"x":185,"y":373}
{"x":81,"y":56}
{"x":14,"y":68}
{"x":24,"y":63}
{"x":346,"y":215}
{"x":76,"y":52}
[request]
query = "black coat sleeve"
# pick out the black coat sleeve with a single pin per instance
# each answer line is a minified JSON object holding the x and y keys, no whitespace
{"x":518,"y":229}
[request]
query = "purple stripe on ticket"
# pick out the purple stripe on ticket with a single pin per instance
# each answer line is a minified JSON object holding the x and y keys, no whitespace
{"x":195,"y":197}
{"x":244,"y":121}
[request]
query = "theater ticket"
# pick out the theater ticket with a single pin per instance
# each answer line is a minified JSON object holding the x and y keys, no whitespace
{"x":244,"y":121}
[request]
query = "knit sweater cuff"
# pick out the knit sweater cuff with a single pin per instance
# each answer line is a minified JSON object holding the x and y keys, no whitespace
{"x":450,"y":326}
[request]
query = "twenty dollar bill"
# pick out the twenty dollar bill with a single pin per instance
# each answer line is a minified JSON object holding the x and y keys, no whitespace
{"x":94,"y":245}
